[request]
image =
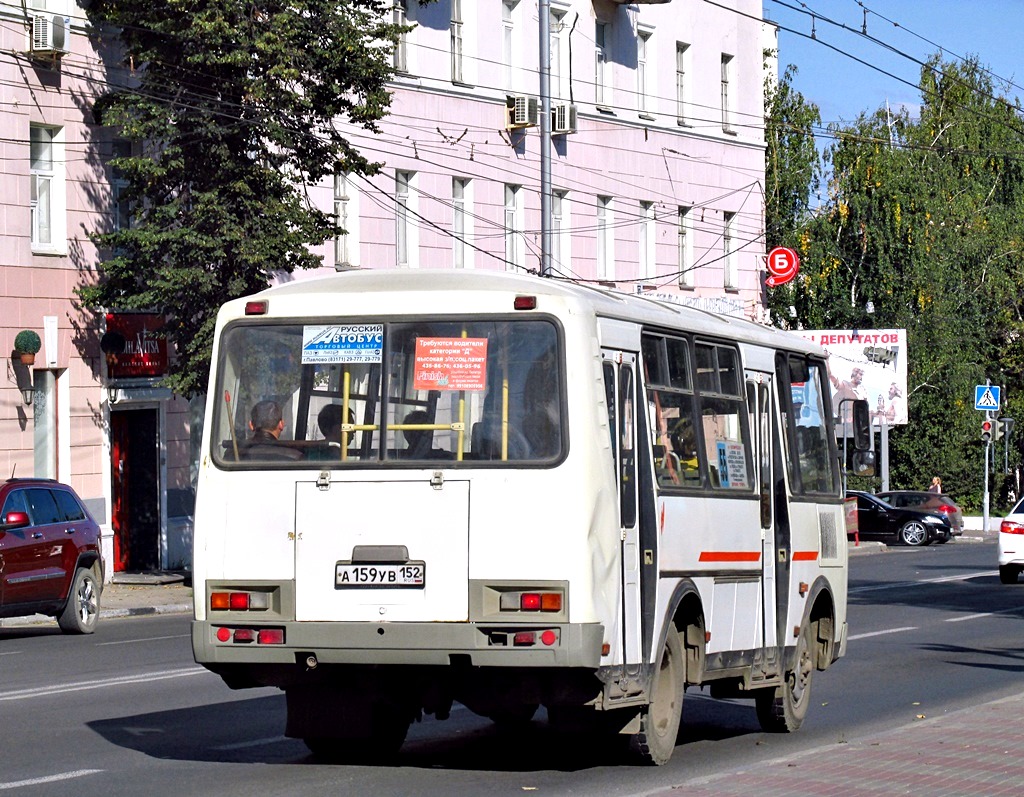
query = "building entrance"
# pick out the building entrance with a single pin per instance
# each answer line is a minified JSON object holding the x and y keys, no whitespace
{"x":135,"y":492}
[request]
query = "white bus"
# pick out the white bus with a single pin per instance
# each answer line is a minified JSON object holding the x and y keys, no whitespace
{"x":418,"y":488}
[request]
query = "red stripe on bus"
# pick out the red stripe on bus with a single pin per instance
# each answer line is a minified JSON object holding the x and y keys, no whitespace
{"x":804,"y":556}
{"x":730,"y":556}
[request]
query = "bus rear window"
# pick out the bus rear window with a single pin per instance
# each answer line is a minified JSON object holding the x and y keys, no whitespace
{"x":303,"y":395}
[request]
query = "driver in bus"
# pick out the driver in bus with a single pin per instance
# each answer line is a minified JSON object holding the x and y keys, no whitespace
{"x":267,"y":422}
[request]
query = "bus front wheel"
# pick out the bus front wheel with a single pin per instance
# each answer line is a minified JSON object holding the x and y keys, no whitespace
{"x":782,"y":710}
{"x":659,"y":719}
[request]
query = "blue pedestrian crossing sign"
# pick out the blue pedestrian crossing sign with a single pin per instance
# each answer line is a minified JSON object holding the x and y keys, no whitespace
{"x":986,"y":397}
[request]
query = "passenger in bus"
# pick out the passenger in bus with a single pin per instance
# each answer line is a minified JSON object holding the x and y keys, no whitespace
{"x":267,"y":422}
{"x":684,"y":445}
{"x":329,"y":422}
{"x":420,"y":442}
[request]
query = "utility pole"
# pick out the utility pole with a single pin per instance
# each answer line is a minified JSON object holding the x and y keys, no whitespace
{"x":544,"y":20}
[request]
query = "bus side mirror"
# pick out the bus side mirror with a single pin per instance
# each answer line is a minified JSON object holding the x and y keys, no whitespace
{"x":863,"y":463}
{"x":862,"y":426}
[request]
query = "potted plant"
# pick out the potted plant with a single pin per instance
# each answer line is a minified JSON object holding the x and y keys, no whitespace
{"x":27,"y":344}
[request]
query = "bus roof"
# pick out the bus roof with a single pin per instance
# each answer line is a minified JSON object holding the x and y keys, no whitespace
{"x":397,"y":285}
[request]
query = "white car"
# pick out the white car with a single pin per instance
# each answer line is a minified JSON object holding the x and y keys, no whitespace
{"x":1011,"y":544}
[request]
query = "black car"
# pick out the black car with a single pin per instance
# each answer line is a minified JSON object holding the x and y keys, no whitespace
{"x":878,"y":520}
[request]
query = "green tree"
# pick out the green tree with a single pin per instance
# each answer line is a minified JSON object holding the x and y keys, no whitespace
{"x":923,"y":219}
{"x":233,"y":108}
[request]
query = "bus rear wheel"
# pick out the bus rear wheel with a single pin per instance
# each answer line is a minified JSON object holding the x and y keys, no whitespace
{"x":782,"y":710}
{"x":660,"y":719}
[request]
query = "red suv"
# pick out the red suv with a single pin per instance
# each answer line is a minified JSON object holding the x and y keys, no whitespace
{"x":50,"y":559}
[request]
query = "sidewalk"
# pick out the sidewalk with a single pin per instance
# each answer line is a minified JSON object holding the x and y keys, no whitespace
{"x":974,"y":752}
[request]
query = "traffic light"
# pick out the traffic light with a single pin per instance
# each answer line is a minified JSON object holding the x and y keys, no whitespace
{"x":997,"y":429}
{"x":986,"y":431}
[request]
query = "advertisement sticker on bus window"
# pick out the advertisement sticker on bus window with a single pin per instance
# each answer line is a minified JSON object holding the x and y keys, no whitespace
{"x":342,"y":343}
{"x":450,"y":364}
{"x":732,"y":465}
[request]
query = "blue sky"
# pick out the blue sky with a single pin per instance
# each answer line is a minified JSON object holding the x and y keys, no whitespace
{"x":842,"y":87}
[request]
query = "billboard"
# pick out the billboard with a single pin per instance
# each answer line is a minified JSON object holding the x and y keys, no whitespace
{"x":866,"y":364}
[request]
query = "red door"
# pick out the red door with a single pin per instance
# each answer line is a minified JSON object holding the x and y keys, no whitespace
{"x":135,"y":514}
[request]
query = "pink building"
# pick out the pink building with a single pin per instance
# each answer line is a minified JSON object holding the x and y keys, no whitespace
{"x":657,"y":174}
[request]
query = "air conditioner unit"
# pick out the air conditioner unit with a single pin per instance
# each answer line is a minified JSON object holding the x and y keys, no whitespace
{"x":523,"y":111}
{"x":49,"y":34}
{"x":563,"y":118}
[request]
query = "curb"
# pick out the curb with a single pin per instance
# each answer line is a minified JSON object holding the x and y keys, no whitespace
{"x":136,"y":611}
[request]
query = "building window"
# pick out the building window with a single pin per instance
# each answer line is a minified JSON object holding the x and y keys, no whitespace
{"x":646,"y":241}
{"x":555,"y":53}
{"x":726,"y":93}
{"x":682,"y":56}
{"x":728,"y":255}
{"x":403,"y":222}
{"x":460,"y":189}
{"x":643,"y":41}
{"x":401,"y":56}
{"x":684,"y":257}
{"x":559,"y":229}
{"x":507,"y":49}
{"x":600,"y":62}
{"x":46,"y":196}
{"x":456,"y":41}
{"x":605,"y":245}
{"x":512,"y":226}
{"x":342,"y":200}
{"x":123,"y":217}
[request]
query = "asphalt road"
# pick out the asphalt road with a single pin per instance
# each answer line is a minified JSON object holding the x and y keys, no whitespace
{"x":127,"y":712}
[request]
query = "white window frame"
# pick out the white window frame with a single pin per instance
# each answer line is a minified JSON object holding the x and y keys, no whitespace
{"x":727,"y":97}
{"x":561,"y":241}
{"x":462,"y":222}
{"x":684,"y":250}
{"x":730,"y":278}
{"x":682,"y":89}
{"x":513,"y":226}
{"x":647,"y":261}
{"x":508,"y":44}
{"x":346,"y":216}
{"x":555,"y":53}
{"x":601,"y":31}
{"x":400,"y":16}
{"x":605,"y":239}
{"x":643,"y":75}
{"x":456,"y":41}
{"x":406,"y":229}
{"x":47,"y":189}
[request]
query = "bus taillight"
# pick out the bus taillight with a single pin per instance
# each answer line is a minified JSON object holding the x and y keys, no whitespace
{"x":261,"y":636}
{"x":239,"y":601}
{"x":531,"y":602}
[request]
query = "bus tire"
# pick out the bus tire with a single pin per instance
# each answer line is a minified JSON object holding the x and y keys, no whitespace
{"x":660,"y":718}
{"x":783,"y":709}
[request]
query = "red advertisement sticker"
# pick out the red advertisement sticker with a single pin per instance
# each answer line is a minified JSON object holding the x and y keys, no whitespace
{"x":450,"y":364}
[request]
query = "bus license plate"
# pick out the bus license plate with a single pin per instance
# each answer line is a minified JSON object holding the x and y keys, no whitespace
{"x":409,"y":574}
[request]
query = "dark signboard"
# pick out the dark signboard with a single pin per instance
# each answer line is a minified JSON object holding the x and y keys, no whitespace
{"x":135,"y":345}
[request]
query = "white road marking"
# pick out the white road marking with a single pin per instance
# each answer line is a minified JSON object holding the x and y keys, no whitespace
{"x":253,"y":743}
{"x":880,"y":633}
{"x":983,"y":614}
{"x":43,"y":691}
{"x":922,"y":582}
{"x":78,"y":773}
{"x":133,"y":641}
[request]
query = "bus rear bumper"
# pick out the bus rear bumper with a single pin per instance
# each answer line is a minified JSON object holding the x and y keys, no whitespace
{"x":567,"y":645}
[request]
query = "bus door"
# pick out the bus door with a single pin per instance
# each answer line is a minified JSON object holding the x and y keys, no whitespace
{"x":763,"y":422}
{"x":620,"y":392}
